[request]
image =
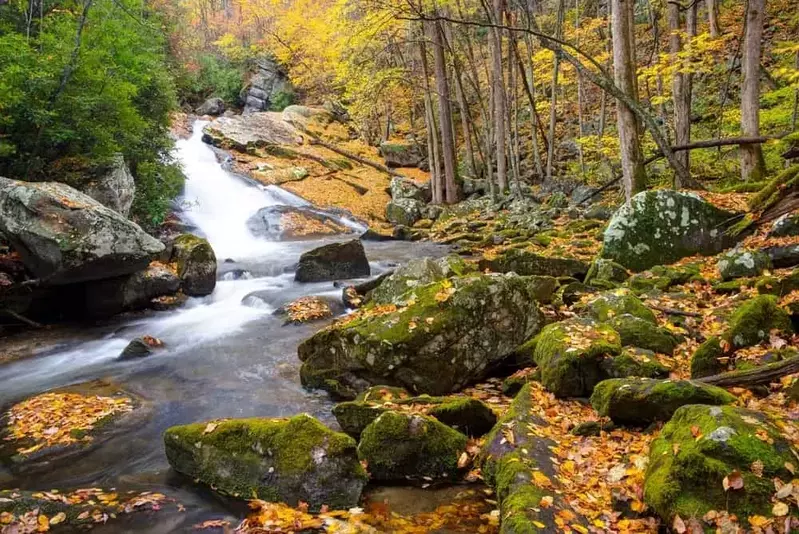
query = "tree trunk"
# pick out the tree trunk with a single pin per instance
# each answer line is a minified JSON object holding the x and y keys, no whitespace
{"x":580,"y":120}
{"x":753,"y":167}
{"x":499,"y":100}
{"x":554,"y":97}
{"x":625,"y":78}
{"x":713,"y":18}
{"x":432,"y":127}
{"x":761,"y":375}
{"x":445,"y":114}
{"x":679,"y":88}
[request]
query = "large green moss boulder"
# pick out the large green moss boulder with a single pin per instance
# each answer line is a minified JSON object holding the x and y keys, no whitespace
{"x":451,"y":333}
{"x":743,"y":263}
{"x":641,"y":401}
{"x":634,"y":361}
{"x":527,"y":263}
{"x":663,"y":226}
{"x":404,"y":211}
{"x":196,"y":264}
{"x":616,"y":302}
{"x":752,"y":322}
{"x":605,"y":272}
{"x":465,"y":414}
{"x":706,"y":361}
{"x":282,"y":460}
{"x":700,"y":447}
{"x":663,"y":277}
{"x":336,"y":261}
{"x":418,"y":272}
{"x":401,"y":446}
{"x":640,"y":333}
{"x":778,"y":286}
{"x":571,"y":354}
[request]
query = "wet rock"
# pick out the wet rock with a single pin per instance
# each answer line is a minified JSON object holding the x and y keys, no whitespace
{"x":403,"y":154}
{"x":105,"y":298}
{"x":400,"y":447}
{"x":661,"y":227}
{"x":404,"y":211}
{"x":196,"y":265}
{"x":141,"y":347}
{"x":465,"y":414}
{"x":525,"y":263}
{"x":286,"y":223}
{"x":702,"y":445}
{"x":64,"y":236}
{"x":113,"y":186}
{"x":279,"y":460}
{"x":336,"y":261}
{"x":451,"y":335}
{"x":641,"y":401}
{"x":743,"y":263}
{"x":640,"y":333}
{"x":212,"y":106}
{"x":418,"y":272}
{"x":570,"y":355}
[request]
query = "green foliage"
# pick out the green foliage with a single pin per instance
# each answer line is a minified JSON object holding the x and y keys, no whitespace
{"x":282,"y":100}
{"x":211,"y":76}
{"x":67,"y":108}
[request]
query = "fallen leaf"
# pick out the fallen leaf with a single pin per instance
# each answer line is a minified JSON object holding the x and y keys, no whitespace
{"x":733,"y":481}
{"x":679,"y":525}
{"x":780,"y":509}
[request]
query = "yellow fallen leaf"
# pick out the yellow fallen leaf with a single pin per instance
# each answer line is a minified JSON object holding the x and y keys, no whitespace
{"x":780,"y":509}
{"x":547,"y":501}
{"x":43,"y":523}
{"x":210,"y":427}
{"x":58,"y":518}
{"x":539,"y":524}
{"x":541,"y":480}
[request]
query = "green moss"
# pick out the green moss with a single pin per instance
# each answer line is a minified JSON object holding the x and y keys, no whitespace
{"x":570,"y":355}
{"x":699,"y":447}
{"x":617,"y":302}
{"x":753,"y":320}
{"x":664,"y":277}
{"x":382,"y":394}
{"x":643,"y":334}
{"x":641,"y":401}
{"x":401,"y":447}
{"x":527,"y":263}
{"x":635,"y":362}
{"x":605,"y":271}
{"x":770,"y":285}
{"x":733,"y":286}
{"x":705,"y":361}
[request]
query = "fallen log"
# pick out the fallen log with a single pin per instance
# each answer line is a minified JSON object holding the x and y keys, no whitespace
{"x":712,"y":143}
{"x":754,"y":377}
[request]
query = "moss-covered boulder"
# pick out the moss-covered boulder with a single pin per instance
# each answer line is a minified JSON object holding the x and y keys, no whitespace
{"x":336,"y":261}
{"x":752,"y":322}
{"x":641,"y":401}
{"x":570,"y":355}
{"x":706,"y":361}
{"x":634,"y":361}
{"x":196,"y":264}
{"x":702,"y":445}
{"x":605,"y":272}
{"x":465,"y":414}
{"x":640,"y":333}
{"x":527,"y":263}
{"x":401,"y":446}
{"x":663,"y":226}
{"x":663,"y":277}
{"x":404,"y":211}
{"x":450,"y":334}
{"x":402,"y":154}
{"x":418,"y":272}
{"x":778,"y":286}
{"x":617,"y":302}
{"x":742,"y":264}
{"x":282,"y":460}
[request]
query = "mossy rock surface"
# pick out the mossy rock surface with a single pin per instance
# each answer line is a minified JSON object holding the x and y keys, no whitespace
{"x":703,"y":444}
{"x":403,"y":447}
{"x":604,"y":271}
{"x":706,"y":360}
{"x":641,"y":401}
{"x":571,"y":354}
{"x":752,"y":322}
{"x":643,"y":334}
{"x":336,"y":261}
{"x":281,"y":460}
{"x":415,"y":273}
{"x":634,"y":361}
{"x":664,"y":277}
{"x":465,"y":414}
{"x":663,"y":226}
{"x":526,"y":263}
{"x":743,"y":263}
{"x":404,"y":211}
{"x":452,"y":334}
{"x":616,"y":302}
{"x":771,"y":285}
{"x":196,"y":264}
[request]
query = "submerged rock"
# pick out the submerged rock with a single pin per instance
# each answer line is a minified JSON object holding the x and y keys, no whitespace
{"x":700,"y":447}
{"x":450,"y":335}
{"x":196,"y":264}
{"x":141,"y":347}
{"x":109,"y":297}
{"x":280,"y":460}
{"x":641,"y":401}
{"x":661,"y":227}
{"x":65,"y":236}
{"x":400,"y":447}
{"x":335,"y":261}
{"x":526,"y":263}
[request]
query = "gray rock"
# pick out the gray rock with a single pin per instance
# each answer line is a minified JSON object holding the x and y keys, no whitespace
{"x":415,"y":273}
{"x":404,"y":211}
{"x":783,"y":257}
{"x":109,"y":297}
{"x":336,"y":261}
{"x":138,"y":348}
{"x":196,"y":263}
{"x":402,"y":154}
{"x":402,"y":188}
{"x":743,"y":263}
{"x":661,"y":227}
{"x":243,"y":132}
{"x":65,"y":236}
{"x":270,"y":223}
{"x":114,"y":187}
{"x":267,"y":82}
{"x":212,"y":106}
{"x":787,"y":225}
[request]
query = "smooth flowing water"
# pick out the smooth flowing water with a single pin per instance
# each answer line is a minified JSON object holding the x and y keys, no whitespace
{"x":226,"y":355}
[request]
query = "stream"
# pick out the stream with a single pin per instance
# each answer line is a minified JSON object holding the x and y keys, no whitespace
{"x":227,"y":355}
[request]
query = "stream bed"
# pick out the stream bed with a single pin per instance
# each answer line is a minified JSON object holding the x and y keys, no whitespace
{"x":227,"y":355}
